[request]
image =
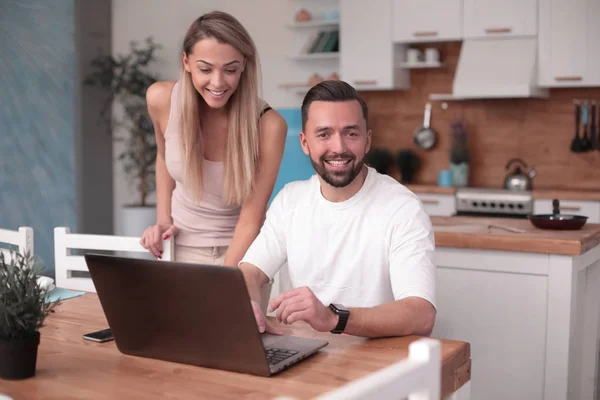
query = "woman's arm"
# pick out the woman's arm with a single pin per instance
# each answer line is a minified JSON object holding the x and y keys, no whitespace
{"x":158,"y":98}
{"x":273,"y":131}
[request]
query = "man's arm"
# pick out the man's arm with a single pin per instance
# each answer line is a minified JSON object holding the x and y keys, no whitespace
{"x":412,"y":275}
{"x":409,"y":316}
{"x":265,"y":256}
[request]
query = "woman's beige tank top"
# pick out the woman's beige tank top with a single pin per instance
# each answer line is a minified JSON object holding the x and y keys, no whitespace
{"x":210,"y":222}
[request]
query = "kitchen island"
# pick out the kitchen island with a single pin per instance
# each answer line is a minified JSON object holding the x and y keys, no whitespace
{"x":528,"y":302}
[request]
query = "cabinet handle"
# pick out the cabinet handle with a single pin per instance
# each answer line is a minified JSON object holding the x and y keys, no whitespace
{"x":570,"y":208}
{"x":425,"y":33}
{"x":365,"y":82}
{"x":430,"y":201}
{"x":568,"y":78}
{"x":498,"y":30}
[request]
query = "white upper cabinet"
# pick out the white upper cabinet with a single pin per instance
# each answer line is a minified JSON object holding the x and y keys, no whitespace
{"x":498,"y":18}
{"x":367,"y":56}
{"x":426,"y":20}
{"x":569,"y":49}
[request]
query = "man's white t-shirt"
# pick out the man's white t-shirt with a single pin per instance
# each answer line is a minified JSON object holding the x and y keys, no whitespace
{"x":376,"y":247}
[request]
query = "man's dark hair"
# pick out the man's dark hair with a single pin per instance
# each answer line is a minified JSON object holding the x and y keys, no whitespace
{"x":332,"y":91}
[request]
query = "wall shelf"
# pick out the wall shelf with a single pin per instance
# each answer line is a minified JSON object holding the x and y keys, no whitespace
{"x":421,"y":65}
{"x":317,"y":23}
{"x":316,"y":56}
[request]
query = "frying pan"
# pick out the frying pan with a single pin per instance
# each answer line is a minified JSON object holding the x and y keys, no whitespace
{"x":556,"y":220}
{"x":424,"y":136}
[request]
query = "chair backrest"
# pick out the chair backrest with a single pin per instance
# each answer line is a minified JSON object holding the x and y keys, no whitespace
{"x":417,"y":378}
{"x":22,"y":238}
{"x":65,"y":263}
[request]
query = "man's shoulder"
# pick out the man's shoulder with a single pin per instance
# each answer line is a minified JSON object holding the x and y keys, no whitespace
{"x":393,"y":191}
{"x":297,"y":191}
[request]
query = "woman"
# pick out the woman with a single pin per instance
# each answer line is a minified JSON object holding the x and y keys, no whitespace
{"x":219,"y":147}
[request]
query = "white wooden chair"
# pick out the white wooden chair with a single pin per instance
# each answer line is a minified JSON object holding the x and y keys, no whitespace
{"x":65,"y":263}
{"x":417,"y":378}
{"x":22,"y":238}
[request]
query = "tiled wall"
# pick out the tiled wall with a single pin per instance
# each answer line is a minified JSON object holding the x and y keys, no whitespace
{"x":37,"y":72}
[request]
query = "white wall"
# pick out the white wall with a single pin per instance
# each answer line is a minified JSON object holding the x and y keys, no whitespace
{"x":167,"y":22}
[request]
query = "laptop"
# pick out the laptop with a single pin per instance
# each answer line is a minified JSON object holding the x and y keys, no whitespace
{"x":190,"y":314}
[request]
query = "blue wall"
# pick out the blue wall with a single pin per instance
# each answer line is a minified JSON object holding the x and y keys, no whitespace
{"x":295,"y":165}
{"x":37,"y":72}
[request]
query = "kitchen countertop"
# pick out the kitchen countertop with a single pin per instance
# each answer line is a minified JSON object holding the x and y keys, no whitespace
{"x":474,"y":233}
{"x":431,"y":189}
{"x":560,"y":194}
{"x":567,"y":194}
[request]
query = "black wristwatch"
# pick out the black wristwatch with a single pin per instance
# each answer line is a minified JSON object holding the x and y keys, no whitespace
{"x":343,"y":313}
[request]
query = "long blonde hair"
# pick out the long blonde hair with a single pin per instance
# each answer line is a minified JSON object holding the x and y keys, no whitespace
{"x":241,"y":152}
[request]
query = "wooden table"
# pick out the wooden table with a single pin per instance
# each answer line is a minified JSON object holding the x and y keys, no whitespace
{"x":72,"y":368}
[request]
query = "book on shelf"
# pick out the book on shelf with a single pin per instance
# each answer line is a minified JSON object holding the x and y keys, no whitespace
{"x":322,"y":42}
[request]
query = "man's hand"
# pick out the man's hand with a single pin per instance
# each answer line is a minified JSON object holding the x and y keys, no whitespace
{"x":264,"y":326}
{"x":302,"y":305}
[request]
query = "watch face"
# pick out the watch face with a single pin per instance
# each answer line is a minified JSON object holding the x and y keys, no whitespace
{"x":340,"y":307}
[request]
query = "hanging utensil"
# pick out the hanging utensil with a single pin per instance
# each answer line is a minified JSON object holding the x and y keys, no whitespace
{"x":576,"y":142}
{"x":585,"y":141}
{"x":593,"y":140}
{"x":425,"y":137}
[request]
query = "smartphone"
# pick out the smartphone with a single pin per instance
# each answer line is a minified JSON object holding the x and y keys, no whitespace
{"x":100,"y":336}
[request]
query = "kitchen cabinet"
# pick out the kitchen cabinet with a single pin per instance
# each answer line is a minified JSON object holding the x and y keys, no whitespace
{"x":568,"y":49}
{"x":443,"y":205}
{"x":499,"y":18}
{"x":531,"y":319}
{"x":426,"y":20}
{"x":367,"y":54}
{"x":590,"y":209}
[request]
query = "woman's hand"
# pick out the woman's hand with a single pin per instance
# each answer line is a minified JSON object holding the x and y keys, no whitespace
{"x":153,"y":236}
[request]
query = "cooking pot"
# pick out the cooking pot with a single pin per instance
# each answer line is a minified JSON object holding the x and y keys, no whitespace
{"x":556,"y":220}
{"x":519,"y":179}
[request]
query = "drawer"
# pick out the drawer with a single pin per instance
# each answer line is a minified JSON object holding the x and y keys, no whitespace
{"x":443,"y":205}
{"x":590,"y":209}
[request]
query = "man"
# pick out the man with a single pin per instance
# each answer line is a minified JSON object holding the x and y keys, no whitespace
{"x":358,"y":244}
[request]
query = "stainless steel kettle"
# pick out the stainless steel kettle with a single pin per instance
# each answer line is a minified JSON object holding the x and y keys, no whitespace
{"x":519,"y":179}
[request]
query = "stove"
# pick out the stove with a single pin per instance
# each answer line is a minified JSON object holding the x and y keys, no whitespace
{"x":493,"y":202}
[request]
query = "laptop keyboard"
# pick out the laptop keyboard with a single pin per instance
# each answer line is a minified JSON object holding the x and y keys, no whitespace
{"x":275,"y":356}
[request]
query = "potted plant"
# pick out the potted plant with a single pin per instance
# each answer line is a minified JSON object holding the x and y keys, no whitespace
{"x":381,"y":159}
{"x":408,"y":163}
{"x":23,"y":308}
{"x":459,"y":155}
{"x":125,"y":79}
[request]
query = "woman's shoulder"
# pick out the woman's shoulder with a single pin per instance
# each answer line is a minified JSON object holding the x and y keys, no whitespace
{"x":269,"y":116}
{"x":158,"y":96}
{"x":271,"y":121}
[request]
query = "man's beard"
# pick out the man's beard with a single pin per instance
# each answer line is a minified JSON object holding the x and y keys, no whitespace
{"x":338,"y":179}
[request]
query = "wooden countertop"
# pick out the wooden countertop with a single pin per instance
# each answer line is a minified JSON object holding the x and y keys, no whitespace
{"x":72,"y":368}
{"x":567,"y":194}
{"x":474,"y":233}
{"x":431,"y":189}
{"x":561,"y":194}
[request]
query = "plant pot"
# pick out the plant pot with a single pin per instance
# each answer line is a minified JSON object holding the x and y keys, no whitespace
{"x":137,"y":219}
{"x":460,"y":174}
{"x":18,"y":357}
